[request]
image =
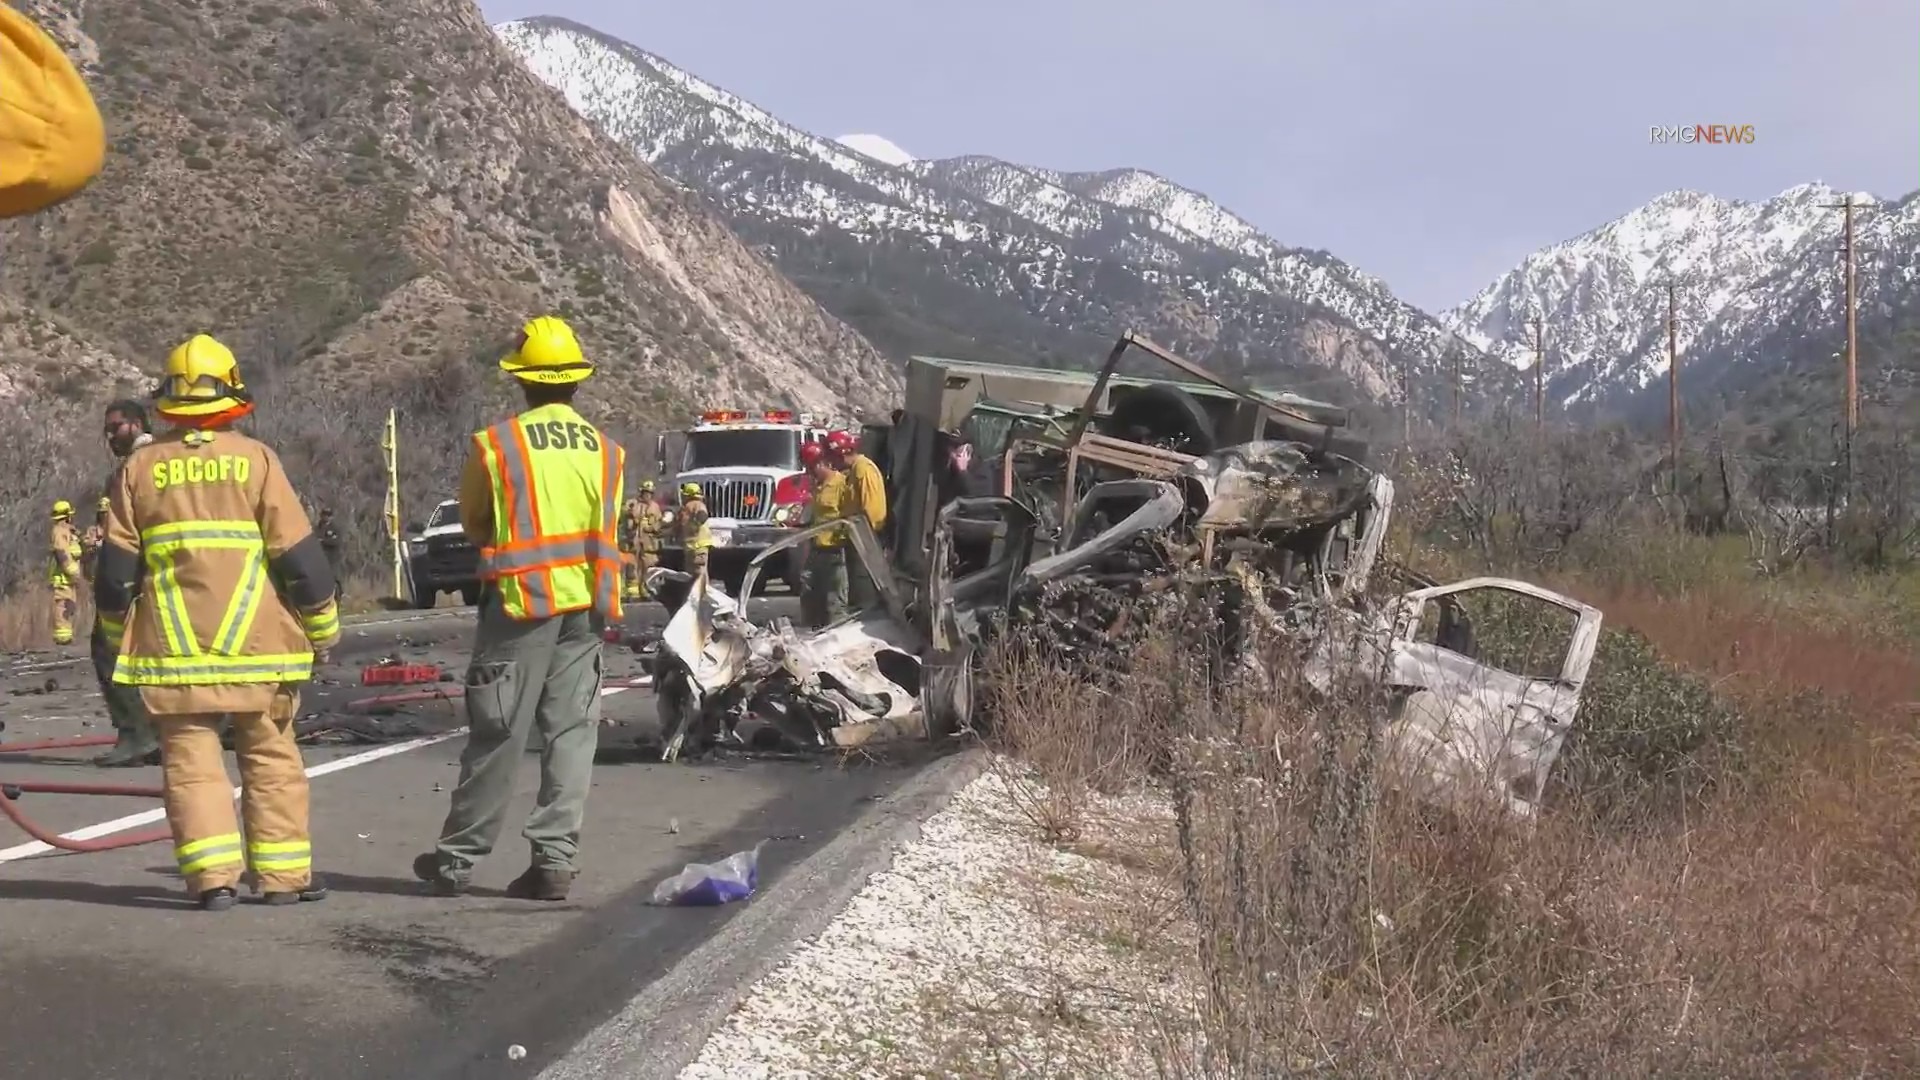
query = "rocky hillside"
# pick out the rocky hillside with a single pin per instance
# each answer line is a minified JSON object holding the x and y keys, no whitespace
{"x":1759,"y":292}
{"x":982,"y":258}
{"x":375,"y":191}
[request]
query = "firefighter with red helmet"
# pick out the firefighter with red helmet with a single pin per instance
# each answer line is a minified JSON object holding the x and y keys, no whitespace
{"x":866,"y":497}
{"x":823,"y":591}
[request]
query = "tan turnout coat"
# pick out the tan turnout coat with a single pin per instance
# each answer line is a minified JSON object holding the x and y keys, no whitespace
{"x":229,"y":589}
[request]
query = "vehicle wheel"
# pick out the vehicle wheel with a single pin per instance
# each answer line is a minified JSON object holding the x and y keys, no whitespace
{"x":424,"y":594}
{"x":470,"y":595}
{"x":1169,"y":414}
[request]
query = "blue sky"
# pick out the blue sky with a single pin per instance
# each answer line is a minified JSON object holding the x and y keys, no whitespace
{"x":1430,"y":143}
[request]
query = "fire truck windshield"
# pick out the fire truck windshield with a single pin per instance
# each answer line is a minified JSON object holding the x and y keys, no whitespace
{"x":765,"y":448}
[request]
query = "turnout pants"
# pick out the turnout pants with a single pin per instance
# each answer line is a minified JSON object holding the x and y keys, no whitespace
{"x":124,"y":707}
{"x":207,"y":840}
{"x":63,"y":601}
{"x":541,"y":673}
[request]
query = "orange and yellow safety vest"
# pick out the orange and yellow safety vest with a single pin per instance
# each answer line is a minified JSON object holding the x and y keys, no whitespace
{"x":557,"y":489}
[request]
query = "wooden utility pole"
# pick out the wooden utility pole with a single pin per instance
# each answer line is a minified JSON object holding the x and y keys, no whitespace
{"x":1673,"y":386}
{"x":1539,"y":375}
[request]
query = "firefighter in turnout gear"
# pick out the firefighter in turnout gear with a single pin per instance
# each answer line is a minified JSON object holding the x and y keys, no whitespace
{"x":823,"y":590}
{"x":640,"y":538}
{"x":690,"y":526}
{"x":136,"y":744}
{"x":867,"y":498}
{"x":540,"y":497}
{"x":230,"y":600}
{"x":63,"y":571}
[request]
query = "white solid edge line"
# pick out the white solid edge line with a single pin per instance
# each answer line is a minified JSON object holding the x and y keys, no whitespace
{"x":148,"y":817}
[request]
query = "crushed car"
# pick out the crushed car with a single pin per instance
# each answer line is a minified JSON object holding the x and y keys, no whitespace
{"x":1091,"y":530}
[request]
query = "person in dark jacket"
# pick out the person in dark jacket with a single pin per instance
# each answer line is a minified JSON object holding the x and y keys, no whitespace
{"x":329,"y":534}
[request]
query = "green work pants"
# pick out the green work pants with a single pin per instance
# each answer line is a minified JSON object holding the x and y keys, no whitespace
{"x":124,"y":707}
{"x":538,"y":672}
{"x":861,"y":593}
{"x":823,"y":596}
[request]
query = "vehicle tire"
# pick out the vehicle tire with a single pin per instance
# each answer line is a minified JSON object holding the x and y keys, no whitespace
{"x":424,"y":594}
{"x":1170,"y":413}
{"x":470,"y":595}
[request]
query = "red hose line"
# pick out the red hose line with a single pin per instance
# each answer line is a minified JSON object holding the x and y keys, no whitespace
{"x":417,"y":695}
{"x":105,"y":843}
{"x":54,"y":787}
{"x":75,"y":743}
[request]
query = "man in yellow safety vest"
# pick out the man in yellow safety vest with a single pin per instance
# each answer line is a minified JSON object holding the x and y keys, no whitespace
{"x":540,"y":497}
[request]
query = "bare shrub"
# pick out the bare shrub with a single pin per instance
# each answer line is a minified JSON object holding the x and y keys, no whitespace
{"x":1698,"y":896}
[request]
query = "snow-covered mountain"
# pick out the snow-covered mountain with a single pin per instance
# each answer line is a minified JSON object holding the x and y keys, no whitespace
{"x":984,"y":258}
{"x":1758,"y":285}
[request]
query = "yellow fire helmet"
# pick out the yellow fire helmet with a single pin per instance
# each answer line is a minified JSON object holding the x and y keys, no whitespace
{"x":106,"y":504}
{"x":547,"y":353}
{"x":202,"y":378}
{"x":62,"y":508}
{"x":689,"y":490}
{"x":52,"y":142}
{"x":646,"y":485}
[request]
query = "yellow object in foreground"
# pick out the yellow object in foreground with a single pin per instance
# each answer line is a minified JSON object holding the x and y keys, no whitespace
{"x":52,"y":141}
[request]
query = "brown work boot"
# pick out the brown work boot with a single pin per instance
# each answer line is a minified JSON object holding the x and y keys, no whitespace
{"x":541,"y":883}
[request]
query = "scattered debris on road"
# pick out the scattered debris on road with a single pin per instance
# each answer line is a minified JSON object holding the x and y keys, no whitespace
{"x":710,"y":884}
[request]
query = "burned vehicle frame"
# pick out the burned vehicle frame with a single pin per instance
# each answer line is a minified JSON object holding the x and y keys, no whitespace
{"x":1255,"y":504}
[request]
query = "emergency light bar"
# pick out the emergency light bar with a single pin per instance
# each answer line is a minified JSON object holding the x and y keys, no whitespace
{"x":731,"y":416}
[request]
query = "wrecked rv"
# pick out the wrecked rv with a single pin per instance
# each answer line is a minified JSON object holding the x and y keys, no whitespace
{"x":1096,"y":500}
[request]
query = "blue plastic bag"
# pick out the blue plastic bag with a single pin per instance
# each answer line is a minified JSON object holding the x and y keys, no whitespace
{"x":710,"y":884}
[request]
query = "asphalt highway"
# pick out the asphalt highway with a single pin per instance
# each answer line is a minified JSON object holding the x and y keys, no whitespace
{"x":107,"y":971}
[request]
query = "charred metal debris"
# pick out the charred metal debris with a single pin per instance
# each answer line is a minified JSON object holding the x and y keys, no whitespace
{"x":1094,"y":510}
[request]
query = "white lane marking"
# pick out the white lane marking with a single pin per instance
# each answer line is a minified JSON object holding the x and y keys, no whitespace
{"x":148,"y":817}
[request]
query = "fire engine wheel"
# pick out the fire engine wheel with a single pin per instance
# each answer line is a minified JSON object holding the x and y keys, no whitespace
{"x":470,"y":595}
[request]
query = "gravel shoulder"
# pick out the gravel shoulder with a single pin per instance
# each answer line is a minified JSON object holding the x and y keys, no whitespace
{"x":986,"y":948}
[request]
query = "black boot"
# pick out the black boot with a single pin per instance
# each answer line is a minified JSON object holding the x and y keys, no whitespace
{"x":220,"y":899}
{"x":131,"y":751}
{"x":313,"y":891}
{"x":433,"y":870}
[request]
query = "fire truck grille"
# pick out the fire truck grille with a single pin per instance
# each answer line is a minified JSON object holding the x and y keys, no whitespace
{"x":743,"y":500}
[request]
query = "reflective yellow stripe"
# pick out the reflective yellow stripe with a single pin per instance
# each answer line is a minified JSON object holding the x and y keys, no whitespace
{"x":195,"y":856}
{"x":170,"y":606}
{"x":204,"y":670}
{"x":280,"y":856}
{"x":160,"y":543}
{"x":322,"y":625}
{"x":237,"y":622}
{"x":114,"y":629}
